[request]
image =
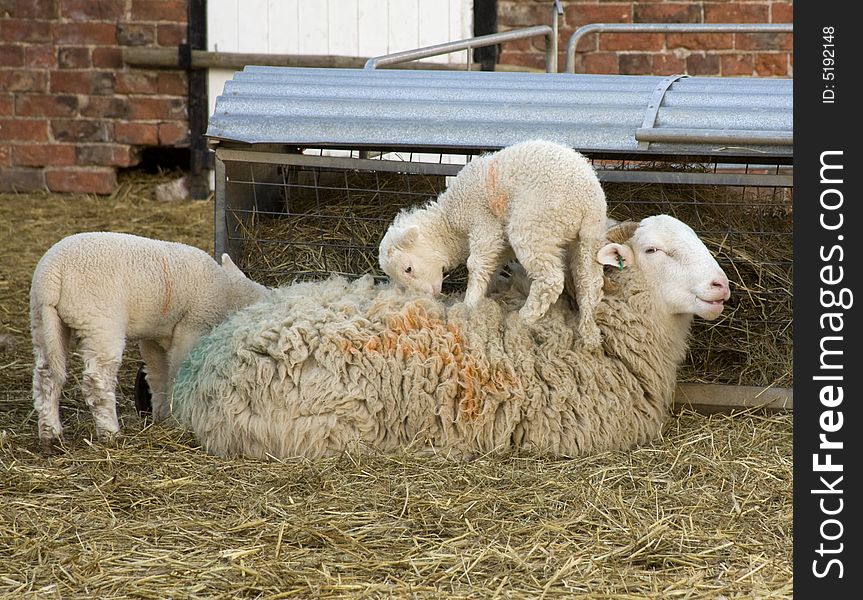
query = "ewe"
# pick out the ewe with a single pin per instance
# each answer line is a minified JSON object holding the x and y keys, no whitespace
{"x":536,"y":200}
{"x":322,"y":367}
{"x":107,"y":287}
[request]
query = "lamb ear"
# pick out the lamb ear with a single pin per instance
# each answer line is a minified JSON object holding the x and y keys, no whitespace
{"x":408,"y":236}
{"x":615,"y":255}
{"x":229,"y":265}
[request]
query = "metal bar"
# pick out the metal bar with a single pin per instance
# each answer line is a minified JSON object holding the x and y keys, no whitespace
{"x":730,"y":179}
{"x":653,"y":105}
{"x":551,"y":49}
{"x":220,"y":233}
{"x":668,"y":28}
{"x":474,"y":42}
{"x":715,"y":136}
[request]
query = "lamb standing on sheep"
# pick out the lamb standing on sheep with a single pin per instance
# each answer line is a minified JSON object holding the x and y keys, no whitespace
{"x":107,"y":287}
{"x":328,"y":366}
{"x":537,"y":200}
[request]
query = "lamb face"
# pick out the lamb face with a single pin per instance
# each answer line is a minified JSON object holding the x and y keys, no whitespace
{"x":406,"y":259}
{"x":688,"y":279}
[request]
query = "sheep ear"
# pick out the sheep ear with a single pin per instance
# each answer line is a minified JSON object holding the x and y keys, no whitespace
{"x":229,"y":265}
{"x":614,"y":255}
{"x":408,"y":236}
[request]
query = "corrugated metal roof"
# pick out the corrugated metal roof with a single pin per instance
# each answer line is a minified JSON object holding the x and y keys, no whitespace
{"x":351,"y":108}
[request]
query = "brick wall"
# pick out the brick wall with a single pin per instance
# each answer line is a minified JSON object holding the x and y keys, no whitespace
{"x":71,"y":113}
{"x":655,"y":54}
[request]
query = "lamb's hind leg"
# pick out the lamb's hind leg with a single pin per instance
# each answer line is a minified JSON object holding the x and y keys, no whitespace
{"x":102,"y":353}
{"x":50,"y":349}
{"x":587,"y":275}
{"x":546,"y":271}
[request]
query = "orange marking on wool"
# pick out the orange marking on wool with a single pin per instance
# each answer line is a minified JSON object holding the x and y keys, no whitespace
{"x":475,"y":378}
{"x":169,"y":290}
{"x":498,"y":201}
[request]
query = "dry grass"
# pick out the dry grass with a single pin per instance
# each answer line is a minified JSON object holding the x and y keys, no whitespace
{"x":705,"y":512}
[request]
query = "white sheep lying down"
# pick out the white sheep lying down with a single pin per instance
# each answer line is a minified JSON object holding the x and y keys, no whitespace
{"x":106,"y":287}
{"x":536,"y":200}
{"x":323,"y":367}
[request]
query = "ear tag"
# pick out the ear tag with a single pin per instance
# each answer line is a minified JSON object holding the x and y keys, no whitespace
{"x":619,"y":262}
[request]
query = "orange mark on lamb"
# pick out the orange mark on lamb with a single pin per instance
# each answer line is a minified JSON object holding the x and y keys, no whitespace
{"x":498,"y":200}
{"x":476,"y":378}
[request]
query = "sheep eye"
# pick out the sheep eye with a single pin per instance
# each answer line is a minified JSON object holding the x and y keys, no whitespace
{"x":409,"y":270}
{"x":651,"y":250}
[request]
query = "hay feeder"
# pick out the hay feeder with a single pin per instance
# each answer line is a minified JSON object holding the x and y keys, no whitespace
{"x":312,"y":165}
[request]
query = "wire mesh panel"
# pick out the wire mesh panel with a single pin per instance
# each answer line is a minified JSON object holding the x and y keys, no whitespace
{"x":297,"y":216}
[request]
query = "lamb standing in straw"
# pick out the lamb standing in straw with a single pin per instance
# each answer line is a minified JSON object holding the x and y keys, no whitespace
{"x":538,"y":200}
{"x":107,"y":287}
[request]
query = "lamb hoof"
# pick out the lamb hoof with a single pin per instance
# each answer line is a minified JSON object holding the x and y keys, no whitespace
{"x":50,"y":445}
{"x":592,"y":340}
{"x":529,"y":317}
{"x":109,"y":438}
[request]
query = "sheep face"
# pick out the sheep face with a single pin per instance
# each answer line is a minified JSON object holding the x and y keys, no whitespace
{"x":687,"y":277}
{"x":409,"y":261}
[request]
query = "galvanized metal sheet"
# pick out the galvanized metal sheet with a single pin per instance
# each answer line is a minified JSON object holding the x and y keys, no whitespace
{"x":344,"y":108}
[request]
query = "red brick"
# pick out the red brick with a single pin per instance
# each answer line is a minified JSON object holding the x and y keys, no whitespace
{"x":85,"y":34}
{"x":142,"y":134}
{"x":136,"y":34}
{"x":780,"y":12}
{"x":92,"y":10}
{"x":700,"y":41}
{"x":521,"y":14}
{"x":763,"y":41}
{"x":107,"y":58}
{"x":46,"y":105}
{"x":23,"y":130}
{"x":74,"y":57}
{"x":22,"y":180}
{"x":143,"y":108}
{"x":598,"y":62}
{"x":674,"y":12}
{"x":159,"y":10}
{"x":578,"y":14}
{"x":668,"y":64}
{"x":6,"y":105}
{"x":104,"y":107}
{"x":137,"y":82}
{"x":635,"y":64}
{"x":175,"y":83}
{"x":771,"y":64}
{"x":80,"y":130}
{"x":23,"y":81}
{"x":34,"y":9}
{"x":106,"y":155}
{"x":632,"y":41}
{"x":41,"y":155}
{"x":169,"y":34}
{"x":40,"y":57}
{"x":99,"y":83}
{"x":733,"y":12}
{"x":11,"y":55}
{"x":27,"y":31}
{"x":737,"y":65}
{"x":532,"y":60}
{"x":173,"y":134}
{"x":92,"y":180}
{"x":702,"y":64}
{"x":5,"y":156}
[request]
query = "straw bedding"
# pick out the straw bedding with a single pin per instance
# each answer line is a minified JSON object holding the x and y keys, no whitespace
{"x":704,"y":512}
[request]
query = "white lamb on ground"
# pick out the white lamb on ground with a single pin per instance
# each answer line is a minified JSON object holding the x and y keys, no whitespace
{"x":323,"y":367}
{"x":536,"y":200}
{"x":107,"y":287}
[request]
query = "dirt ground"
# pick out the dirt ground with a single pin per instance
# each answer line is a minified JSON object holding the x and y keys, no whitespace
{"x":704,"y":512}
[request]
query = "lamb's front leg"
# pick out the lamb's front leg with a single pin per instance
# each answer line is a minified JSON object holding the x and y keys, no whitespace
{"x":185,"y":338}
{"x":486,"y":249}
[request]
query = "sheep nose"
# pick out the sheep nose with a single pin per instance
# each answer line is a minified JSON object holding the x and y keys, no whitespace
{"x":721,"y":285}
